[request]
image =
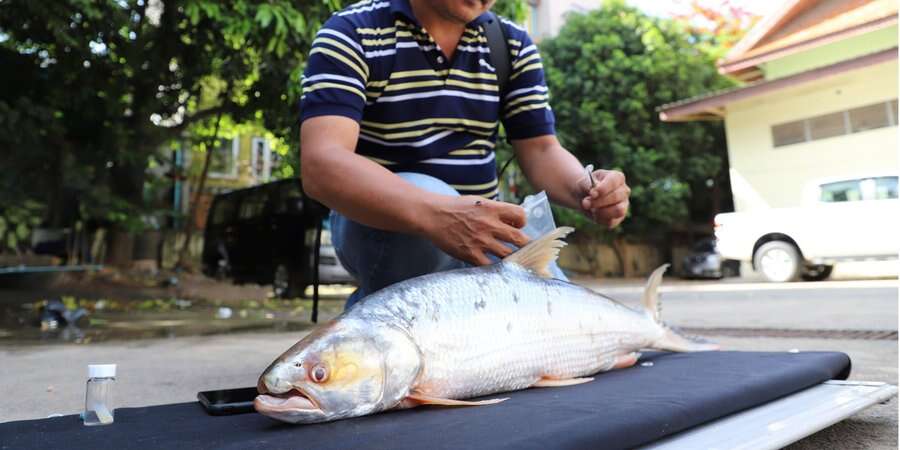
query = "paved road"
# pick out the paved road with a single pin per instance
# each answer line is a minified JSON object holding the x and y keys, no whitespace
{"x":863,"y":305}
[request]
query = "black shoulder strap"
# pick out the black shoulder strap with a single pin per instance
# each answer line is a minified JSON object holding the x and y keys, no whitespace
{"x":496,"y":39}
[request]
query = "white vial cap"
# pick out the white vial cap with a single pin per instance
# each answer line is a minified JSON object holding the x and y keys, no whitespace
{"x":101,"y":370}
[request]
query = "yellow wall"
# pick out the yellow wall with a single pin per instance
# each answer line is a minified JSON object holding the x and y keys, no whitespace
{"x":764,"y":176}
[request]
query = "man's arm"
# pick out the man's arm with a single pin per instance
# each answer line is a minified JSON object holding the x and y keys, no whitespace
{"x":550,"y":167}
{"x":529,"y":123}
{"x":465,"y":227}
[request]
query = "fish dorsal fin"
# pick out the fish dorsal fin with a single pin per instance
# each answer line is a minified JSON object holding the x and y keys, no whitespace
{"x":539,"y":253}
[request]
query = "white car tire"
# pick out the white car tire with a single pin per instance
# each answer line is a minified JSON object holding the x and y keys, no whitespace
{"x":778,"y":261}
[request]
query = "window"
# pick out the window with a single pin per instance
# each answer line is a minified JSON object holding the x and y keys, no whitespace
{"x":261,"y":159}
{"x":253,"y":205}
{"x":827,"y":126}
{"x":867,"y":188}
{"x":223,"y":163}
{"x":704,"y":246}
{"x":789,"y":133}
{"x":869,"y":117}
{"x":291,"y":201}
{"x":841,"y":191}
{"x":885,"y":188}
{"x":856,"y":120}
{"x":893,"y":106}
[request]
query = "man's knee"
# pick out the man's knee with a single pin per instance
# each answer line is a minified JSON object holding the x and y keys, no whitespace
{"x":408,"y":256}
{"x":428,"y":183}
{"x":378,"y":258}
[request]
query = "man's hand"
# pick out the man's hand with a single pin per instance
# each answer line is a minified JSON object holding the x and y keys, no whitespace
{"x":550,"y":167}
{"x":470,"y":227}
{"x":607,"y":202}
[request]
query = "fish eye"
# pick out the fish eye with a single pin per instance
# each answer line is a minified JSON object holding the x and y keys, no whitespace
{"x":318,"y":373}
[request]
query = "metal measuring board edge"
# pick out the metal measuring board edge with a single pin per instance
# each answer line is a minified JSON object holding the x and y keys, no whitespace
{"x":780,"y":422}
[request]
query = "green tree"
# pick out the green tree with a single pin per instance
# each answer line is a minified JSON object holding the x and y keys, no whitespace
{"x":608,"y":71}
{"x":511,"y":9}
{"x":716,"y":26}
{"x":95,"y":88}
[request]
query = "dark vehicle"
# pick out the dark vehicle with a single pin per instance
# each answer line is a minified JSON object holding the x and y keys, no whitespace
{"x":705,"y":262}
{"x":265,"y":234}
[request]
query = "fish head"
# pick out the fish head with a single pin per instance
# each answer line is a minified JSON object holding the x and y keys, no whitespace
{"x":342,"y":369}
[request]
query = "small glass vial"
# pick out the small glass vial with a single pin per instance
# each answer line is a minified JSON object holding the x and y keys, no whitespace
{"x":98,"y":408}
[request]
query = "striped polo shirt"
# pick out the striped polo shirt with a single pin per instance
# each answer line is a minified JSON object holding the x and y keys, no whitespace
{"x":418,"y":111}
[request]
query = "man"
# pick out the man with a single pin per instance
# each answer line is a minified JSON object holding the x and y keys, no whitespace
{"x":399,"y":114}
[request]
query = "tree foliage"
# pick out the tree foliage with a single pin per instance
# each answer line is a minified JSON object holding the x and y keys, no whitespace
{"x":511,"y":9}
{"x":93,"y":93}
{"x":608,"y":71}
{"x":92,"y":90}
{"x":716,"y":26}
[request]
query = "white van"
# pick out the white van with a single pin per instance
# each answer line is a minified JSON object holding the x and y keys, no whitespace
{"x":842,"y":219}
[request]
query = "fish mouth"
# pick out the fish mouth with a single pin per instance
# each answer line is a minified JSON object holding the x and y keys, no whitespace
{"x":294,"y":400}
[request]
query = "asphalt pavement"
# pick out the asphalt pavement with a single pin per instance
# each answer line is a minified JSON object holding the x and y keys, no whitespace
{"x":40,"y":380}
{"x":869,"y":305}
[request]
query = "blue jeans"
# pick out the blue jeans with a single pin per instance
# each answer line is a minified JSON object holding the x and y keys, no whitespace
{"x":378,"y":258}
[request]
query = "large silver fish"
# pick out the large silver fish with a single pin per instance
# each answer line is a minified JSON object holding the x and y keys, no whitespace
{"x":448,"y":336}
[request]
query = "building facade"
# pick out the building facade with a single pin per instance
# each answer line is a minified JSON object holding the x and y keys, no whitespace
{"x":819,"y":103}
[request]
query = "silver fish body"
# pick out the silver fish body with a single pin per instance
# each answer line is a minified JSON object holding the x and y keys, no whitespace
{"x":454,"y":335}
{"x":501,"y":328}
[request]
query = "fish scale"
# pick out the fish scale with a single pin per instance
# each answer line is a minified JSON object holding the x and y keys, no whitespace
{"x":463,"y":337}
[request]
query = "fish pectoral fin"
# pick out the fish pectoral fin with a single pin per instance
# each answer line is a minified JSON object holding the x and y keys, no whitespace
{"x":551,"y":382}
{"x":428,"y":400}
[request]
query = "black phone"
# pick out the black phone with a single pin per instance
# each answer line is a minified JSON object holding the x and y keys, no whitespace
{"x":228,"y":401}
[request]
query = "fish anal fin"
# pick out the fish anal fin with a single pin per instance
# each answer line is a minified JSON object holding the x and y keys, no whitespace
{"x":539,"y":253}
{"x":421,"y":399}
{"x":627,"y":360}
{"x":673,"y":341}
{"x":551,"y":382}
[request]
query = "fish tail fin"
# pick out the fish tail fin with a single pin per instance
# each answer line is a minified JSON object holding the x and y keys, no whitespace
{"x":672,"y":339}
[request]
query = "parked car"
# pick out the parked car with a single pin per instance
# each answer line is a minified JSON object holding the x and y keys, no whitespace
{"x":843,"y":219}
{"x":704,"y":261}
{"x":265,"y":234}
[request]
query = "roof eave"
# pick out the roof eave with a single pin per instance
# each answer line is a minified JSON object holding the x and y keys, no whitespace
{"x":711,"y":115}
{"x":763,"y":28}
{"x":705,"y":108}
{"x":736,"y":66}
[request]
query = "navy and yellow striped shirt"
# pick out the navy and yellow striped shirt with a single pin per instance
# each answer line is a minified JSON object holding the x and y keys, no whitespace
{"x":374,"y":63}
